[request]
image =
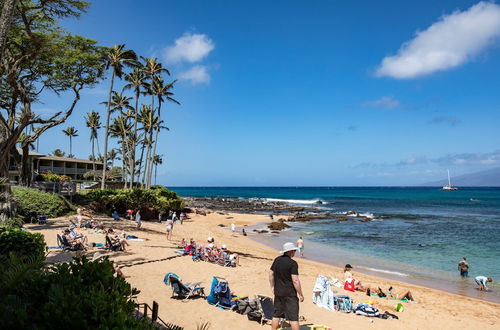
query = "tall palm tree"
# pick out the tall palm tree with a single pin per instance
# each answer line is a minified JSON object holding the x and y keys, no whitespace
{"x":157,"y":160}
{"x":71,"y":132}
{"x":136,"y":80}
{"x":151,"y":68}
{"x":58,"y":153}
{"x":148,"y":121}
{"x":163,"y":93}
{"x":119,"y":130}
{"x":93,"y":121}
{"x":116,"y":57}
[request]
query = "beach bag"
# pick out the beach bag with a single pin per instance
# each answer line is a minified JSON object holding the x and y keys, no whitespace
{"x":366,"y":310}
{"x":245,"y":306}
{"x":254,"y":316}
{"x":342,"y":304}
{"x":349,"y":285}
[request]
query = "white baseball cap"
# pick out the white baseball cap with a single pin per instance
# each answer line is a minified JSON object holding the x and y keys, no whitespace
{"x":288,"y":246}
{"x":223,"y":246}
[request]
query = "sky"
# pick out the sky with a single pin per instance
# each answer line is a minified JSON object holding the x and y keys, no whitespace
{"x":308,"y":93}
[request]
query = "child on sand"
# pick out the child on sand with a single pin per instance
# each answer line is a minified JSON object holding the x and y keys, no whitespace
{"x":170,"y":228}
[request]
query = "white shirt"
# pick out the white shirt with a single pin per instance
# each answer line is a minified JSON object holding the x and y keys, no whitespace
{"x":233,"y":227}
{"x":137,"y":217}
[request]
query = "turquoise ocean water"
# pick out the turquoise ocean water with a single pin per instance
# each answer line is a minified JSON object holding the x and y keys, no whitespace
{"x":418,"y":234}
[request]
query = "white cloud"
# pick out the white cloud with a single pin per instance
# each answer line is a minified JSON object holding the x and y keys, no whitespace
{"x":448,"y":43}
{"x":198,"y":74}
{"x":385,"y":102}
{"x":190,"y":48}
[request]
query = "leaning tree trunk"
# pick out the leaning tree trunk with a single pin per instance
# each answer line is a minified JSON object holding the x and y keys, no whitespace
{"x":25,"y":167}
{"x":7,"y":207}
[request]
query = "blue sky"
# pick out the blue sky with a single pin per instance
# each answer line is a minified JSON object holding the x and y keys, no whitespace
{"x":294,"y":93}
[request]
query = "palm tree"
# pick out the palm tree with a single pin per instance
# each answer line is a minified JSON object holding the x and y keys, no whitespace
{"x":58,"y":153}
{"x":71,"y":132}
{"x":119,"y":130}
{"x":162,"y":92}
{"x":148,"y":121}
{"x":116,"y":57}
{"x":152,"y":68}
{"x":93,"y":121}
{"x":112,"y":156}
{"x":157,"y":160}
{"x":136,"y":80}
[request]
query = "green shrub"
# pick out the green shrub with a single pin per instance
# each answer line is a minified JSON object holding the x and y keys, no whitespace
{"x":79,"y":295}
{"x":21,"y":243}
{"x":157,"y":198}
{"x":33,"y":200}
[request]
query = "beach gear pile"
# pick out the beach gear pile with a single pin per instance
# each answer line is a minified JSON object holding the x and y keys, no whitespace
{"x":324,"y":296}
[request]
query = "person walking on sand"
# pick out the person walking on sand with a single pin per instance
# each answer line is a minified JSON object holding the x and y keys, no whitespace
{"x":138,"y":219}
{"x":481,"y":281}
{"x":463,"y":267}
{"x":300,"y":246}
{"x":170,"y":228}
{"x":233,"y":228}
{"x":285,"y":285}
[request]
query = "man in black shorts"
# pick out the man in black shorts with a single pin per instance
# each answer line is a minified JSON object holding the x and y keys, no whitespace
{"x":285,"y":284}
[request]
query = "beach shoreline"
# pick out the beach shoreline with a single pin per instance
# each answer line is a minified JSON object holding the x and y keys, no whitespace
{"x":147,"y":263}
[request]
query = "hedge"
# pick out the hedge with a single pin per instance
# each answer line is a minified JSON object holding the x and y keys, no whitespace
{"x":158,"y":198}
{"x":21,"y":243}
{"x":33,"y":200}
{"x":78,"y":295}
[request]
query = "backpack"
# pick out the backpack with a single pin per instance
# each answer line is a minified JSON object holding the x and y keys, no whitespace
{"x":342,"y":304}
{"x":245,"y":306}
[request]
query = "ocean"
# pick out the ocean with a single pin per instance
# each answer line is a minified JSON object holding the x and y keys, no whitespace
{"x":417,"y":235}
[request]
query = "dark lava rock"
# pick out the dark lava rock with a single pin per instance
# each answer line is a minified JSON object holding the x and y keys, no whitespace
{"x":277,"y":225}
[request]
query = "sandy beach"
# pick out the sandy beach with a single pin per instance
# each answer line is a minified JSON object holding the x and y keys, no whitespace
{"x":147,"y":262}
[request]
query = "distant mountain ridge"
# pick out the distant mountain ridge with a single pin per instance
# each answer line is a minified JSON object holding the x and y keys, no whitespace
{"x":487,"y":178}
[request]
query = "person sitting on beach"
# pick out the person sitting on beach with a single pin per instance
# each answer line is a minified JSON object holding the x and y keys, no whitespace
{"x":226,"y":255}
{"x":73,"y":240}
{"x":348,"y":279}
{"x":130,"y":214}
{"x":118,"y":271}
{"x":115,"y":215}
{"x":116,"y":240}
{"x":79,"y":238}
{"x":481,"y":281}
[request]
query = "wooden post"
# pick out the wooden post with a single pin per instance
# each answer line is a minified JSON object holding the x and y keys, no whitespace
{"x":145,"y":310}
{"x":154,"y":315}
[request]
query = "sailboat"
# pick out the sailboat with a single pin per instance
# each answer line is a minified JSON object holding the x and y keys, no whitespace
{"x":449,"y":187}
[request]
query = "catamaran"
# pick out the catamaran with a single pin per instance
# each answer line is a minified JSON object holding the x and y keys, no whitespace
{"x":449,"y":187}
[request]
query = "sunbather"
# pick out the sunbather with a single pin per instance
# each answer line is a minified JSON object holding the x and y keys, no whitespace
{"x":77,"y":237}
{"x":115,"y":215}
{"x":348,"y":277}
{"x":72,"y":240}
{"x":117,"y":239}
{"x":402,"y":294}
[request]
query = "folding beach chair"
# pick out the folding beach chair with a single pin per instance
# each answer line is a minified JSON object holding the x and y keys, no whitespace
{"x":266,"y":308}
{"x":220,"y":294}
{"x":183,"y":290}
{"x":111,"y":246}
{"x":63,"y":242}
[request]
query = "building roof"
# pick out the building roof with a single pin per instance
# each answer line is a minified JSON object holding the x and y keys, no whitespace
{"x":30,"y":153}
{"x":74,"y":160}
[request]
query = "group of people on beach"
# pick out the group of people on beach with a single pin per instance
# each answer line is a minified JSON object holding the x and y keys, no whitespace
{"x":210,"y":252}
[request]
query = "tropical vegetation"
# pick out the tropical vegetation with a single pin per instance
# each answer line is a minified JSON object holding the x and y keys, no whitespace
{"x":38,"y":57}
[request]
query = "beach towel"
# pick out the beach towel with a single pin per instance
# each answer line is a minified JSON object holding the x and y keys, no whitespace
{"x":336,"y":282}
{"x":366,"y":310}
{"x":166,"y":279}
{"x":322,"y":293}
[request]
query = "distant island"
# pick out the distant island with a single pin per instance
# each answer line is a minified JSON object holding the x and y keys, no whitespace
{"x":487,"y":178}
